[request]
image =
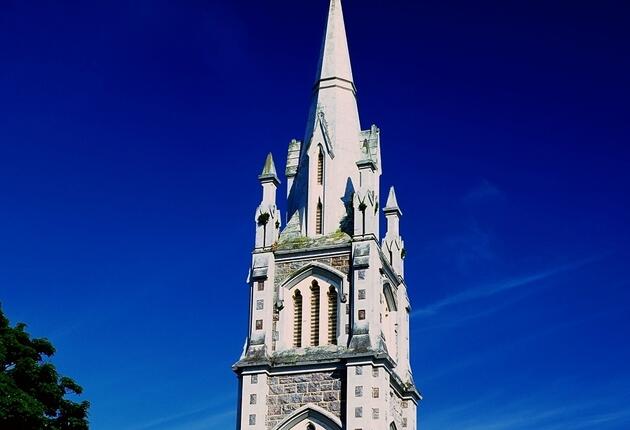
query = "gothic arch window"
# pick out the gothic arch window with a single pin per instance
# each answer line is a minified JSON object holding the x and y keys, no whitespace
{"x":319,"y":225}
{"x":332,"y":316}
{"x":320,"y":167}
{"x":297,"y":319}
{"x":314,"y":314}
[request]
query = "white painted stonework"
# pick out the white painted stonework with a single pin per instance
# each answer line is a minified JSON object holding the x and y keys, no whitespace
{"x":328,"y":343}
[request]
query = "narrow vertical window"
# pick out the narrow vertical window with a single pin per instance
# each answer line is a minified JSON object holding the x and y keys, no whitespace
{"x":319,"y":227}
{"x":297,"y":320}
{"x":315,"y":314}
{"x":332,"y":316}
{"x":362,"y":208}
{"x":320,"y":168}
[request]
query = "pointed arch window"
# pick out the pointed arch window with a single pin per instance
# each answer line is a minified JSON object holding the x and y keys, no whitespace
{"x":320,"y":167}
{"x":332,"y":316}
{"x":319,"y":224}
{"x":297,"y":319}
{"x":315,"y":314}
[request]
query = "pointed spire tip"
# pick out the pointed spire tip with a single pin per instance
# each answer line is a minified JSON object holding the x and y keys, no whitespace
{"x":335,"y":57}
{"x":392,"y":202}
{"x":269,"y":170}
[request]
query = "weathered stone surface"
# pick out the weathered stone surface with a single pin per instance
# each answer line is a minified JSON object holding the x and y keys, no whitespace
{"x":331,"y":396}
{"x":396,"y":405}
{"x":289,"y":393}
{"x":291,"y":238}
{"x":286,"y":269}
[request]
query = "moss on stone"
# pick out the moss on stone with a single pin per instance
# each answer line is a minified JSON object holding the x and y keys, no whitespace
{"x":304,"y":242}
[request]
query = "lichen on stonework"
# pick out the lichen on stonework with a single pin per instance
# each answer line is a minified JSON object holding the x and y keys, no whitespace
{"x":303,"y":242}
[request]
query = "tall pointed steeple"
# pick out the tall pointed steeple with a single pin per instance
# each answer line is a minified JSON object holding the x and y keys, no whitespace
{"x":334,"y":59}
{"x":328,"y":305}
{"x":334,"y":96}
{"x":327,"y":173}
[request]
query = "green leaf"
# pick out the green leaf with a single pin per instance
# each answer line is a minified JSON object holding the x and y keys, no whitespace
{"x":32,"y":393}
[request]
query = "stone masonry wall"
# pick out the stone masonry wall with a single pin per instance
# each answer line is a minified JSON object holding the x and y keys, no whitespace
{"x":285,"y":269}
{"x":290,"y":392}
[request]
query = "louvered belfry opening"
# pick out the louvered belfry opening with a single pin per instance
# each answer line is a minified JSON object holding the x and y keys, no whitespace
{"x":320,"y":168}
{"x":297,"y":319}
{"x":332,"y":316}
{"x":319,"y":227}
{"x":315,"y":314}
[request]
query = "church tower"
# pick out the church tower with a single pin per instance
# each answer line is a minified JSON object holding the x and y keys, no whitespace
{"x":328,"y":342}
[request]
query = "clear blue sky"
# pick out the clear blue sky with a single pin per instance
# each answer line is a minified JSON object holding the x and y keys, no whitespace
{"x":132,"y":134}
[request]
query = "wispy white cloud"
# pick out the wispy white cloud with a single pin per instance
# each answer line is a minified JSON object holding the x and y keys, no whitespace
{"x":484,"y":191}
{"x":560,"y":418}
{"x":470,"y":248}
{"x":193,"y":419}
{"x":542,"y":411}
{"x":597,"y":420}
{"x":219,"y":419}
{"x":489,"y":290}
{"x":496,"y":353}
{"x":461,"y":318}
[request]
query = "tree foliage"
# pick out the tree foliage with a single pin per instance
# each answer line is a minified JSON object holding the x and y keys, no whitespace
{"x":32,"y":393}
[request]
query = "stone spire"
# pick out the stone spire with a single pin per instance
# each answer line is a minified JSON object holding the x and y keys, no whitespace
{"x":334,"y":100}
{"x":392,"y":203}
{"x":335,"y":58}
{"x":269,"y":170}
{"x":327,"y":173}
